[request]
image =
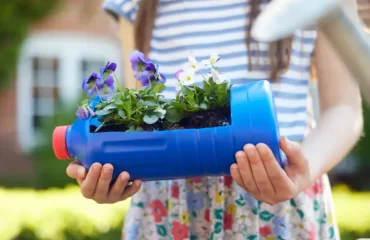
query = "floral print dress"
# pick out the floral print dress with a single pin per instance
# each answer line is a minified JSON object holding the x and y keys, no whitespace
{"x":217,"y":208}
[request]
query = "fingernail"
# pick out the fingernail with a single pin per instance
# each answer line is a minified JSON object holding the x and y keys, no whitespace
{"x":81,"y":172}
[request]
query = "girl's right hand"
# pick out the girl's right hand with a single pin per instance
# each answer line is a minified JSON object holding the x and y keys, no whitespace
{"x":95,"y":183}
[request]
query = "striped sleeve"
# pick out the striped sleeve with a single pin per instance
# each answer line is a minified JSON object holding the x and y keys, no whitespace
{"x":123,"y":8}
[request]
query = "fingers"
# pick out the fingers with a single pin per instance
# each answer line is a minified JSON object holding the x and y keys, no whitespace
{"x":88,"y":186}
{"x":102,"y":188}
{"x":235,"y":173}
{"x":246,"y":173}
{"x":97,"y":185}
{"x":261,"y":178}
{"x":76,"y":171}
{"x":131,"y":190}
{"x":258,"y":172}
{"x":292,"y":150}
{"x":275,"y":173}
{"x":119,"y":187}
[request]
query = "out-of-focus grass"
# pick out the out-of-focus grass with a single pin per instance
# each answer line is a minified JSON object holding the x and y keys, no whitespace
{"x":63,"y":214}
{"x":352,"y":212}
{"x":50,"y":214}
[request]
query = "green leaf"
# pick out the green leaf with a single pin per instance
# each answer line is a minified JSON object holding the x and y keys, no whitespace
{"x":300,"y":213}
{"x":331,"y":232}
{"x":316,"y":205}
{"x":107,"y":110}
{"x":158,"y":88}
{"x":148,"y":103}
{"x":203,"y":106}
{"x":255,"y":211}
{"x":218,"y":227}
{"x":194,"y":237}
{"x":150,"y":119}
{"x":266,"y":216}
{"x":252,"y":237}
{"x":174,"y":215}
{"x":292,"y":202}
{"x":323,"y":219}
{"x":241,"y":202}
{"x":161,"y":230}
{"x":173,"y":115}
{"x":219,"y":214}
{"x":122,"y":114}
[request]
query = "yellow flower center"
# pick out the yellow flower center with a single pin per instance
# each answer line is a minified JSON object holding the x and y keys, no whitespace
{"x":188,"y":78}
{"x":231,"y":209}
{"x":185,"y":217}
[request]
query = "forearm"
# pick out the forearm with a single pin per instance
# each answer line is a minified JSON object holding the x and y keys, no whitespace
{"x":336,"y":134}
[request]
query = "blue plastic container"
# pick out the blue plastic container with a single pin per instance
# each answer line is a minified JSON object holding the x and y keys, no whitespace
{"x":175,"y":154}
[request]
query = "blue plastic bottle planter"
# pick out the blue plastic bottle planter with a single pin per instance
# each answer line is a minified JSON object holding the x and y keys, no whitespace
{"x":172,"y":154}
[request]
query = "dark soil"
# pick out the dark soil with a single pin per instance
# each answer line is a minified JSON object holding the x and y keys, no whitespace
{"x":206,"y":119}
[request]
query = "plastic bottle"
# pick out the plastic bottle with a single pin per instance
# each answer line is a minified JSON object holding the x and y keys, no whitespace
{"x":176,"y":154}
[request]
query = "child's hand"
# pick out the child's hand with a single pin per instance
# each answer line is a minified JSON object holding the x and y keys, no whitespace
{"x":95,"y":183}
{"x":258,"y":172}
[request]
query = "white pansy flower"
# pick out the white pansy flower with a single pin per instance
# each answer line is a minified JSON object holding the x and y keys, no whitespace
{"x":187,"y":77}
{"x":217,"y":77}
{"x":192,"y":64}
{"x":212,"y":60}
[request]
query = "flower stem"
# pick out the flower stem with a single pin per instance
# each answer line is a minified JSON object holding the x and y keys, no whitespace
{"x":150,"y":83}
{"x":117,"y":82}
{"x":204,"y":77}
{"x":97,"y":92}
{"x":101,"y":125}
{"x":196,"y":94}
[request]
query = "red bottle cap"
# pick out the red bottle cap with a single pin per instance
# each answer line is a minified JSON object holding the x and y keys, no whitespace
{"x":59,"y":142}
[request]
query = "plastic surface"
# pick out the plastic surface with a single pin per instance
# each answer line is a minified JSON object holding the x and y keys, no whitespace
{"x":172,"y":154}
{"x":59,"y":142}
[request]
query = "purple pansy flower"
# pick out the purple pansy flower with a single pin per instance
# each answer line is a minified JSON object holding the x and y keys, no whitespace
{"x":85,"y":112}
{"x":177,"y":74}
{"x":155,"y":75}
{"x":145,"y":70}
{"x":106,"y":88}
{"x":138,"y":61}
{"x":146,"y":77}
{"x":108,"y":69}
{"x":89,"y":84}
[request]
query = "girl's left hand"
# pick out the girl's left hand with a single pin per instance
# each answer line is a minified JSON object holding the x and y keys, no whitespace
{"x":258,"y":172}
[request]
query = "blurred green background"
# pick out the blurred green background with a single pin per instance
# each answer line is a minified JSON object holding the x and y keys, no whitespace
{"x":46,"y":39}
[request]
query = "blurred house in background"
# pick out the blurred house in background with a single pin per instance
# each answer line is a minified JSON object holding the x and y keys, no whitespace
{"x":77,"y":39}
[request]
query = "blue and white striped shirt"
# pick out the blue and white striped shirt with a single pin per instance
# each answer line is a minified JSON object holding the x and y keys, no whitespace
{"x":200,"y":27}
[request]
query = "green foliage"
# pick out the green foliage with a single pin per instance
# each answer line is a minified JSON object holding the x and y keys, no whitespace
{"x":192,"y":99}
{"x":63,"y":214}
{"x":132,"y":108}
{"x":360,"y":179}
{"x":16,"y":18}
{"x":49,"y":170}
